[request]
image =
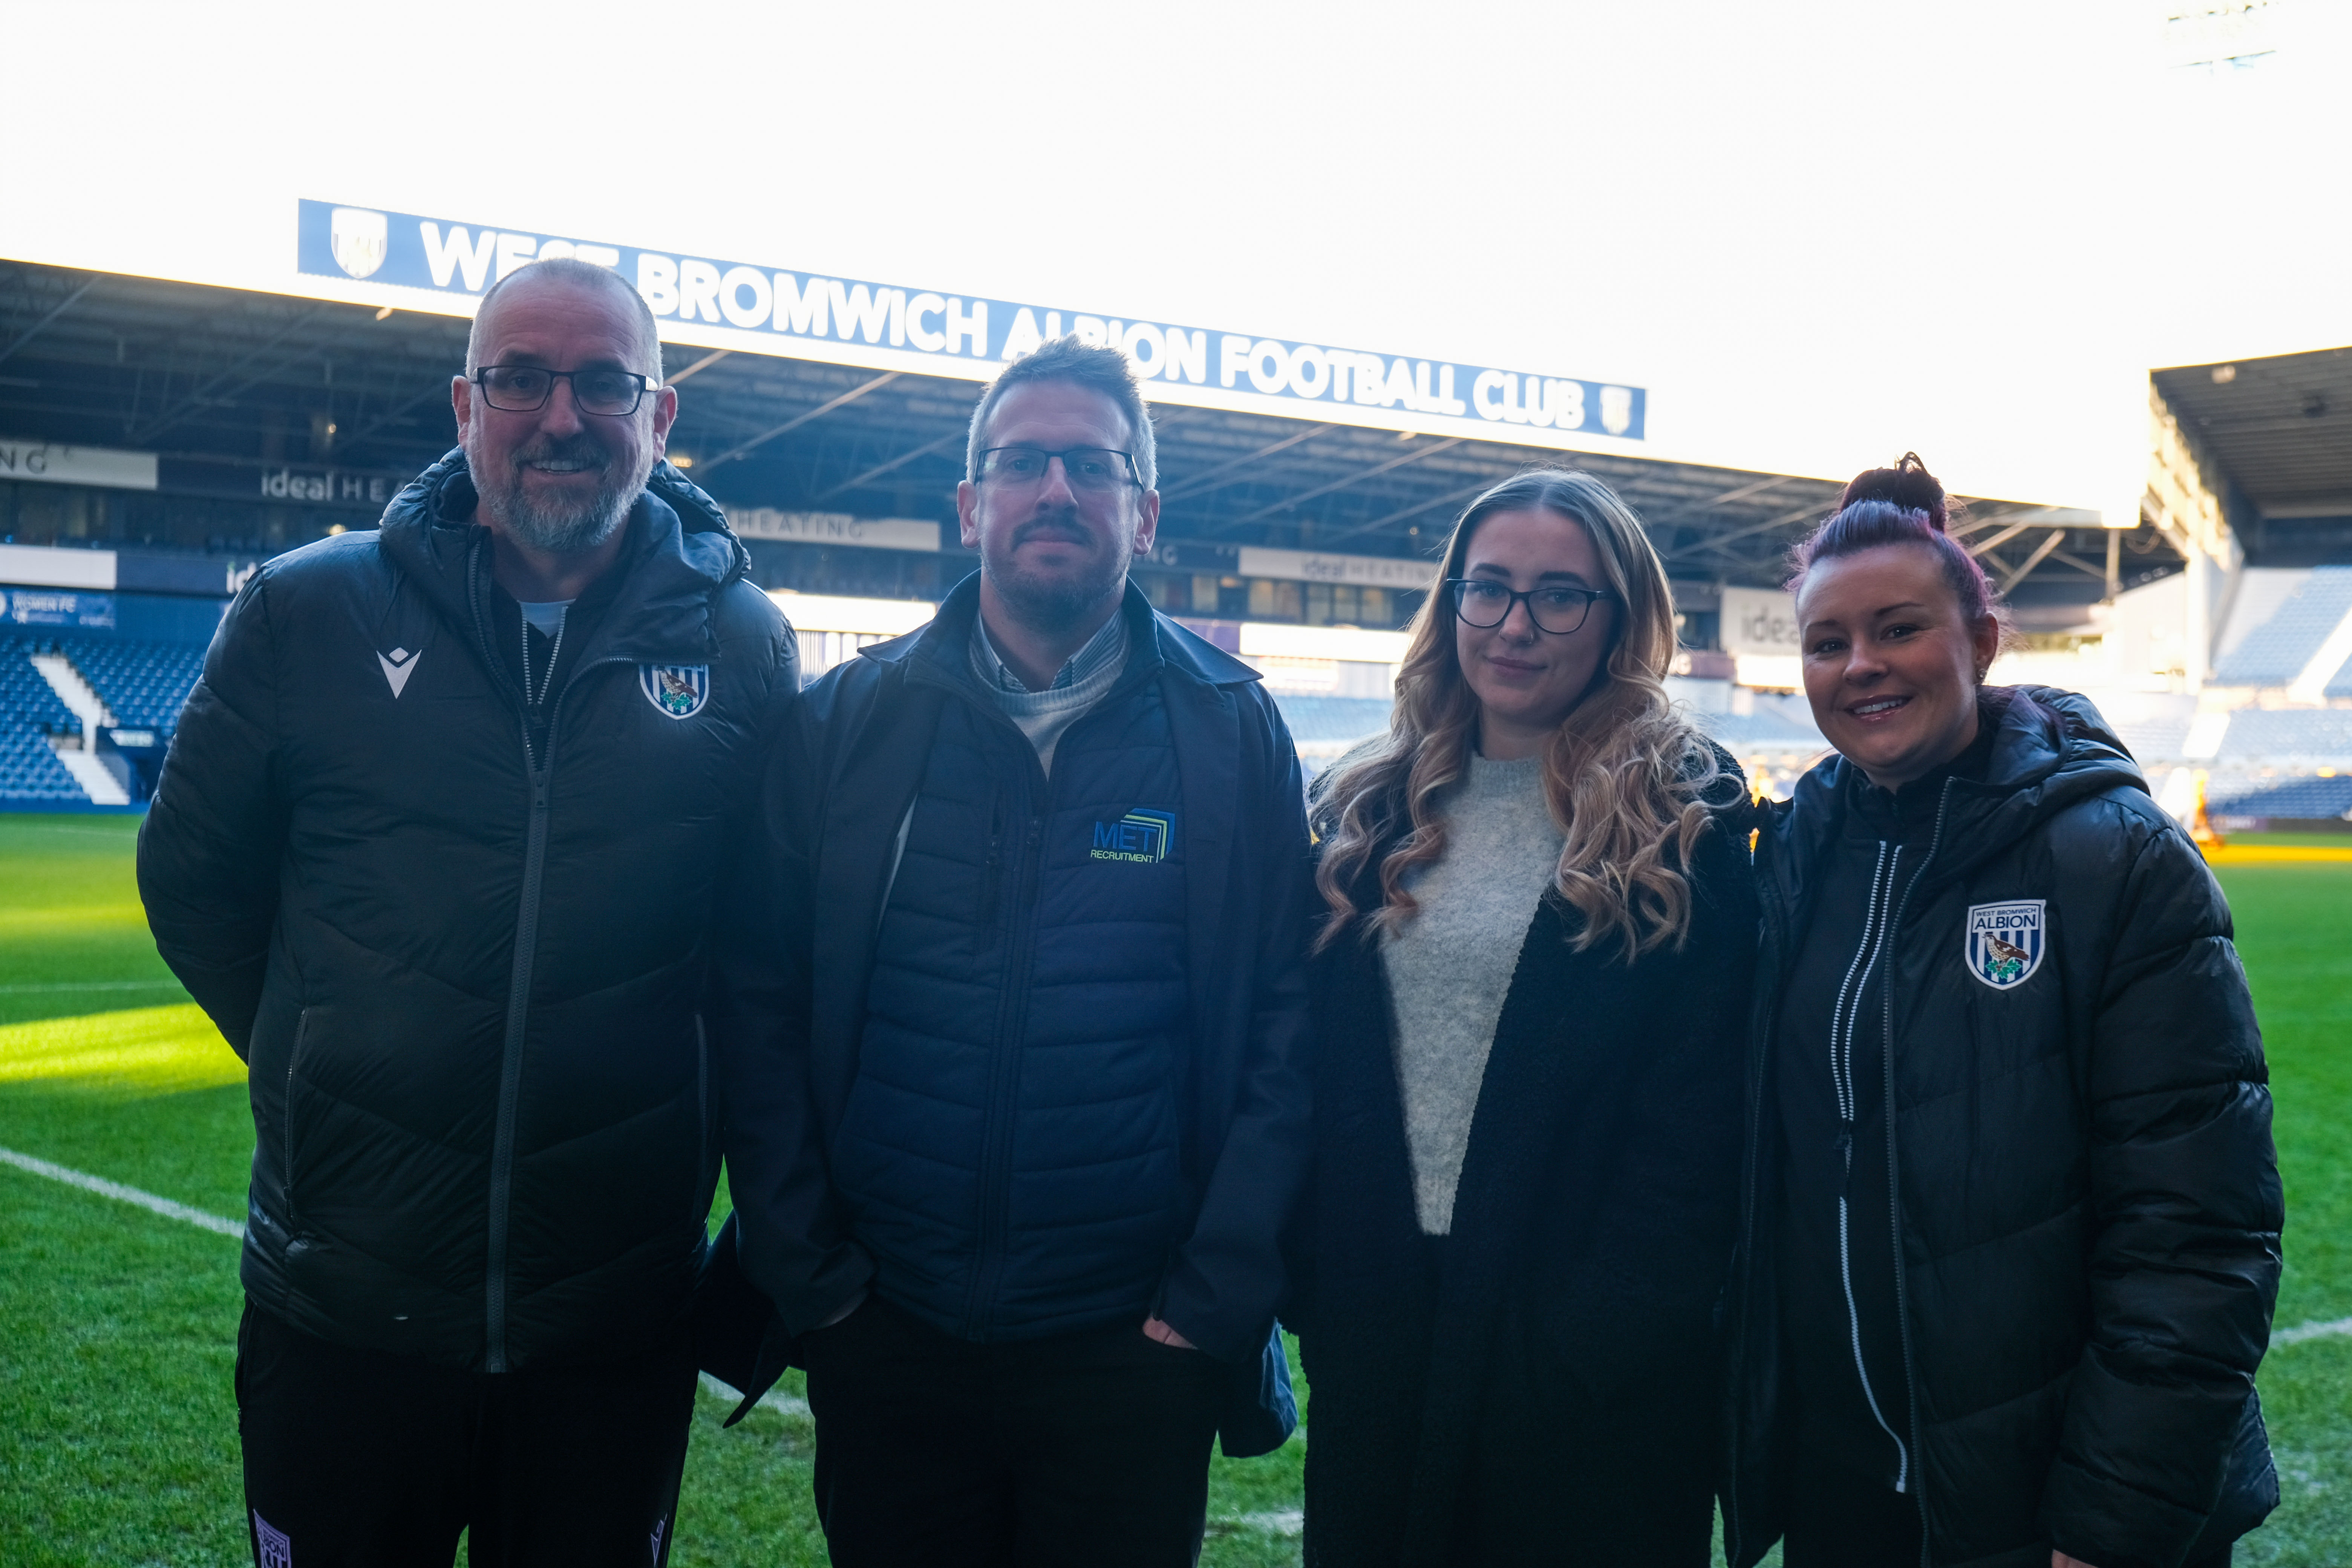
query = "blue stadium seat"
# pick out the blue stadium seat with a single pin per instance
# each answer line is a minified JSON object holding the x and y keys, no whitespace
{"x":2275,"y":652}
{"x":143,"y":684}
{"x":29,"y":770}
{"x":1313,"y":719}
{"x":2308,"y":798}
{"x":2324,"y":734}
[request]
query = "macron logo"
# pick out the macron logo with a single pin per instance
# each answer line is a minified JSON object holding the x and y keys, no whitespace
{"x":398,"y":666}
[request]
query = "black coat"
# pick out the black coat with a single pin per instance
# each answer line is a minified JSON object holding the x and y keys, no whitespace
{"x":2085,"y":1189}
{"x":1551,"y":1380}
{"x":845,"y":770}
{"x":467,"y":981}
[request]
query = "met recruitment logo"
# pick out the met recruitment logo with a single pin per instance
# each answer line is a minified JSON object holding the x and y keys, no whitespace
{"x":1143,"y":837}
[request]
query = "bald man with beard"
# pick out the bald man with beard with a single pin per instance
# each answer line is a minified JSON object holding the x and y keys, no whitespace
{"x":439,"y":846}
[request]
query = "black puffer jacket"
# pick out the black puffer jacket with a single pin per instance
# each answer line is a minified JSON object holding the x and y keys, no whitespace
{"x":467,"y":981}
{"x":2086,"y":1194}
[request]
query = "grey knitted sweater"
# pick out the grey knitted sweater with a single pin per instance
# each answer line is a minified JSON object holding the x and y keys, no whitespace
{"x":1451,"y":965}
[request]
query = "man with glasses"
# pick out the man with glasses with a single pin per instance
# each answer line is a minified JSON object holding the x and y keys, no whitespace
{"x":1015,"y":1127}
{"x":438,"y":847}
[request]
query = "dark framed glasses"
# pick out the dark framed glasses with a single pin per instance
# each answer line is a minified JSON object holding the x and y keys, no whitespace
{"x":1486,"y":605}
{"x":525,"y":388}
{"x":1087,"y":467}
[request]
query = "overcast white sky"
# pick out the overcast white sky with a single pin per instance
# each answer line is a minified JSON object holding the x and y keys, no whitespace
{"x":1818,"y":233}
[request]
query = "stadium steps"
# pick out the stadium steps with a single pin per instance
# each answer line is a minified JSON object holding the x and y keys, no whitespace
{"x":94,"y":778}
{"x":80,"y":698}
{"x":98,"y":781}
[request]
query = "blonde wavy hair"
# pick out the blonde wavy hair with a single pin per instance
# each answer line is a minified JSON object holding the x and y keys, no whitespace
{"x":1626,"y":775}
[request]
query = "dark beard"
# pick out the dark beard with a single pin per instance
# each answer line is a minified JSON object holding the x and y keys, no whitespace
{"x":1052,"y":605}
{"x":564,"y":528}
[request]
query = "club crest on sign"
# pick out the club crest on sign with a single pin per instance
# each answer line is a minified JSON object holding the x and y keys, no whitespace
{"x":680,"y":691}
{"x":2006,"y":942}
{"x":1616,"y":409}
{"x":359,"y":240}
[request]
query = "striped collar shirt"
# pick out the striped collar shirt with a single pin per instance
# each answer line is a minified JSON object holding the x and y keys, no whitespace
{"x":1084,"y":679}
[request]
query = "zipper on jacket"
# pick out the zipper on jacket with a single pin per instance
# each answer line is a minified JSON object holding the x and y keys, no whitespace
{"x":526,"y":943}
{"x":293,"y":1060}
{"x":1767,"y":1004}
{"x":1893,"y":1170}
{"x":518,"y":973}
{"x":1874,"y":929}
{"x":1004,"y":1079}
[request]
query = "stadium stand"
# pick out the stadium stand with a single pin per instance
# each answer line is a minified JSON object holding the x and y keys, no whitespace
{"x":2275,"y":652}
{"x":29,"y":770}
{"x":29,"y":714}
{"x":142,"y":684}
{"x":1332,"y":719}
{"x":1778,"y":723}
{"x":2323,"y":735}
{"x":25,"y":696}
{"x":2308,"y":799}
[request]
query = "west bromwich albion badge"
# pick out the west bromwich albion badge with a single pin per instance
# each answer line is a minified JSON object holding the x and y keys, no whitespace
{"x":2006,"y":942}
{"x":678,"y":690}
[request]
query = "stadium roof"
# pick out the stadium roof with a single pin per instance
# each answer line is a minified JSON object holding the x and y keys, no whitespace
{"x":232,"y":378}
{"x":2282,"y":426}
{"x":2282,"y":429}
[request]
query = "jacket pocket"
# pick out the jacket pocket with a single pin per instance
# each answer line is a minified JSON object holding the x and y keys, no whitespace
{"x":285,"y":1115}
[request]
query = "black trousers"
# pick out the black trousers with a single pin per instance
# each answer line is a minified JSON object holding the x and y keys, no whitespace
{"x":1841,"y":1518}
{"x":1090,"y":1449}
{"x":357,"y":1460}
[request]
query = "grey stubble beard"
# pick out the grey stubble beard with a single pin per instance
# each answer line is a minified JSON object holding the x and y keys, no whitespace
{"x":569,"y":530}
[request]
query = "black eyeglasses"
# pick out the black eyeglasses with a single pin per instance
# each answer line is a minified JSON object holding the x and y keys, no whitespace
{"x":1486,"y":605}
{"x":525,"y":388}
{"x":1087,"y":467}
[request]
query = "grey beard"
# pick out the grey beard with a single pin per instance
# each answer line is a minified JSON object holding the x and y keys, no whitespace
{"x":567,"y":531}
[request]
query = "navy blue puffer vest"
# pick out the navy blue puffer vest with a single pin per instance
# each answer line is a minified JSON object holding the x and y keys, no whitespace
{"x":1010,"y":1153}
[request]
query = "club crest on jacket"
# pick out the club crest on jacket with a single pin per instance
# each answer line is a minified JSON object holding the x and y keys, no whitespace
{"x":2006,"y":942}
{"x":678,"y":690}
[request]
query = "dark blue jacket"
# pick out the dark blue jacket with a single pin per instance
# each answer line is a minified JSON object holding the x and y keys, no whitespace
{"x":842,"y":777}
{"x":1010,"y":1155}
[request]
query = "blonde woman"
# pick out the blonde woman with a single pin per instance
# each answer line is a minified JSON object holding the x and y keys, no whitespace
{"x":1529,"y":990}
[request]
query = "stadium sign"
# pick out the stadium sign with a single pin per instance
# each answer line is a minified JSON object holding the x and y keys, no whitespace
{"x":833,"y":528}
{"x":47,"y":462}
{"x":765,"y":309}
{"x":46,"y":607}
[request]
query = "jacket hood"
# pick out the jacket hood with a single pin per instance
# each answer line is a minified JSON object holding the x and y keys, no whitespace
{"x":2050,"y":749}
{"x":941,"y":640}
{"x":679,"y":557}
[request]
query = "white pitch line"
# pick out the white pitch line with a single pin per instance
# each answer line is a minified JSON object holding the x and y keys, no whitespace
{"x":1288,"y":1521}
{"x":2302,"y":1331}
{"x":89,"y":985}
{"x":121,"y":1194}
{"x":782,"y":1404}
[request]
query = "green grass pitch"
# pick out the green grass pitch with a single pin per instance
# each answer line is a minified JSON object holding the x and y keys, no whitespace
{"x":119,"y":1443}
